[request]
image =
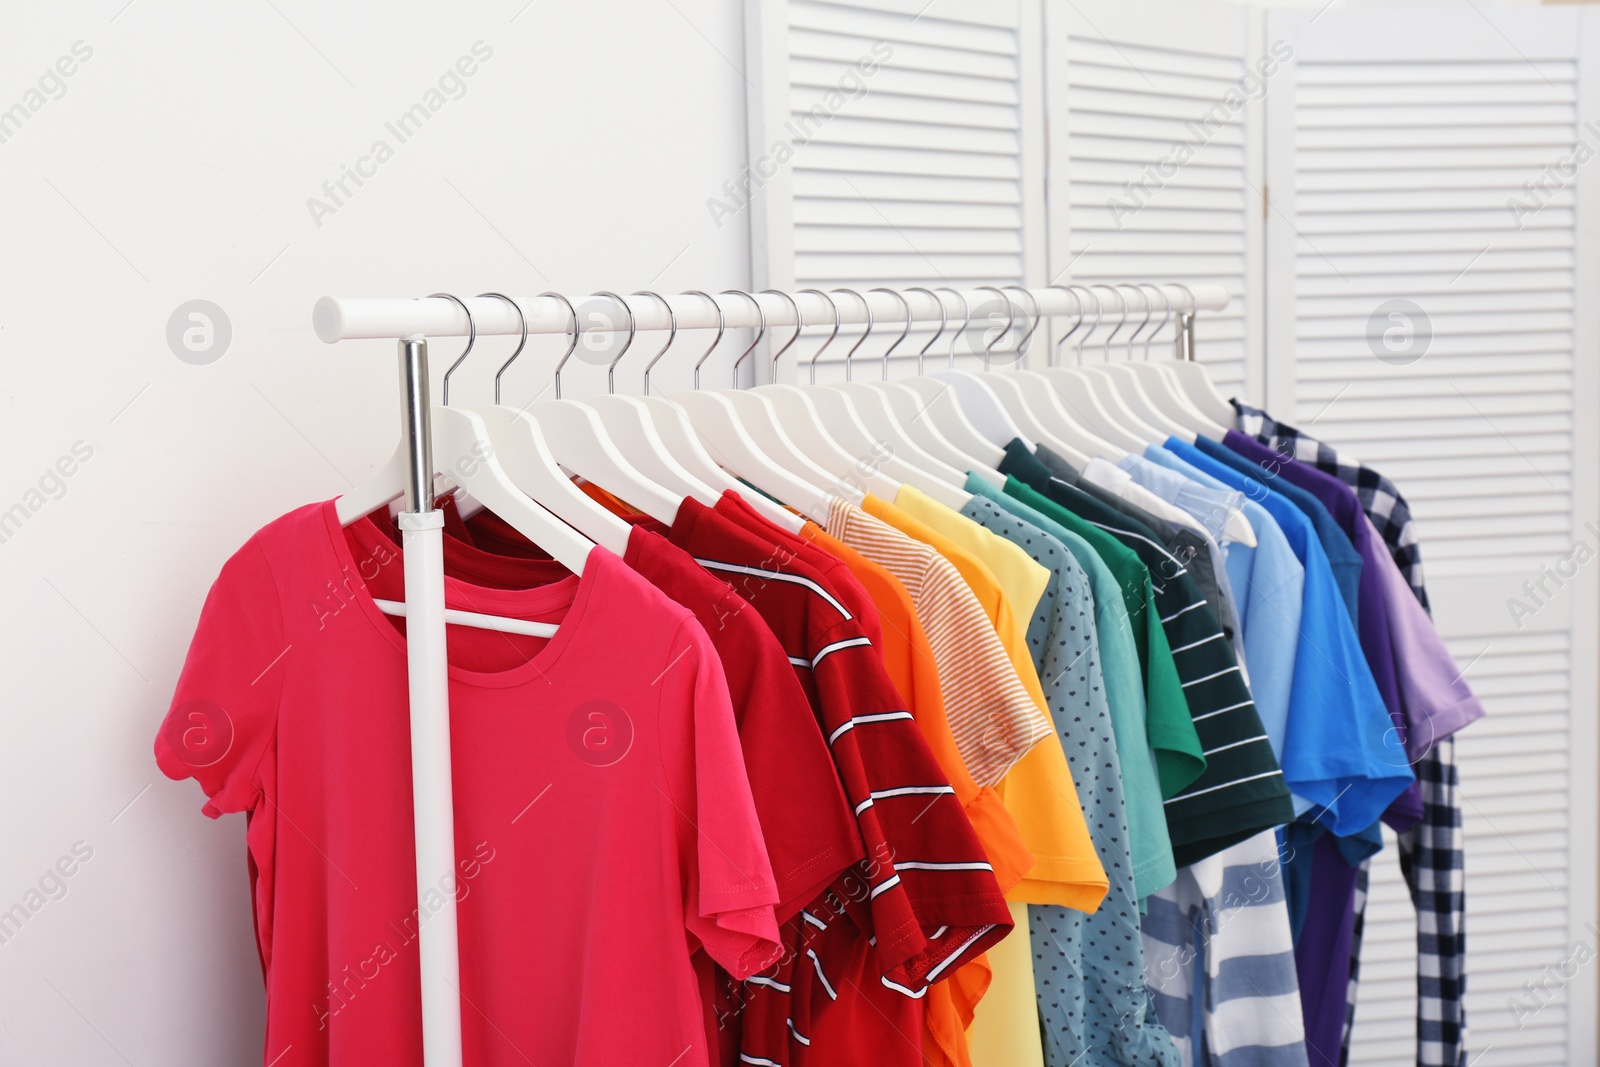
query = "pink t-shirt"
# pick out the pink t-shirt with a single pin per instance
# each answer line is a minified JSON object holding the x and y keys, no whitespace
{"x":604,"y":825}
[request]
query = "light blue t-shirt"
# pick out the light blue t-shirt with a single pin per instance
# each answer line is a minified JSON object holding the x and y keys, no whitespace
{"x":1269,"y":574}
{"x":1339,"y":751}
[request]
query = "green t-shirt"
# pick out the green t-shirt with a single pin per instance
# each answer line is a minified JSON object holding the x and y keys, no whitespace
{"x":1179,"y":756}
{"x":1123,"y":674}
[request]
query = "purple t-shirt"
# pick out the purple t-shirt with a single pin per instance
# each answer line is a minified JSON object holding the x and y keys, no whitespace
{"x":1434,"y":699}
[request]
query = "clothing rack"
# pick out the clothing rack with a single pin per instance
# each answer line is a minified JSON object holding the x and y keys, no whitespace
{"x":412,"y":321}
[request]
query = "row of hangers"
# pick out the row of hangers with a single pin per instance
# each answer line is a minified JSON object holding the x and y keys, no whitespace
{"x":804,"y":445}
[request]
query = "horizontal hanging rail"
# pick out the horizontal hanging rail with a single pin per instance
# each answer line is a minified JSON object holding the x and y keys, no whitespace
{"x":340,"y":319}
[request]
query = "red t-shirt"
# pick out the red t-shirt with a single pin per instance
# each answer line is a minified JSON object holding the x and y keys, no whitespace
{"x":925,"y":893}
{"x":836,"y":574}
{"x":604,"y":824}
{"x":809,"y":830}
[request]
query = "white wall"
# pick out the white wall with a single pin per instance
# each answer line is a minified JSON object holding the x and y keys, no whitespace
{"x":176,"y":166}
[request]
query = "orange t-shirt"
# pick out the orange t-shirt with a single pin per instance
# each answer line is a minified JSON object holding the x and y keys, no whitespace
{"x":952,"y":1004}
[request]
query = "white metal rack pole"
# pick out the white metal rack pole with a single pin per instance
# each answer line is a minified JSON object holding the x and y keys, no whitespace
{"x":427,"y":668}
{"x":362,"y":317}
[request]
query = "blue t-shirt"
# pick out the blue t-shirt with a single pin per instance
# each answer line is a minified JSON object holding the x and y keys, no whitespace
{"x":1339,"y":749}
{"x":1343,"y":559}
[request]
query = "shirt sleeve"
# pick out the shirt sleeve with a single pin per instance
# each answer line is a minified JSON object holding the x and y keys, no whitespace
{"x":729,"y":890}
{"x":928,"y":888}
{"x":224,"y":713}
{"x":1434,"y":695}
{"x":810,"y":833}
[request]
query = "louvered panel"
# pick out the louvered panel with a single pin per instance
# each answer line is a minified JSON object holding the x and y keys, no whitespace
{"x":1402,"y":151}
{"x":1516,"y":824}
{"x":1131,"y":101}
{"x":1356,"y":232}
{"x":919,"y":180}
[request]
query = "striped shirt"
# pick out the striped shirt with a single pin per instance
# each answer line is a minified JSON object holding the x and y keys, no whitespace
{"x":993,"y":717}
{"x":1242,"y":791}
{"x":1219,"y":961}
{"x":925,"y":894}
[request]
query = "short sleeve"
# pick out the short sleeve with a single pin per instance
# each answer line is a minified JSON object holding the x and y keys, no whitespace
{"x":809,"y":829}
{"x":729,"y":889}
{"x":224,"y":714}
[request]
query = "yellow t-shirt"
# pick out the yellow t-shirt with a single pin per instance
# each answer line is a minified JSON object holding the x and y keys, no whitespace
{"x":1005,"y":1030}
{"x":1039,"y":791}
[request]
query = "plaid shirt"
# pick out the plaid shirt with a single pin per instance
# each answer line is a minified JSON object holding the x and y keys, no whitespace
{"x":1379,"y":498}
{"x":1431,"y":854}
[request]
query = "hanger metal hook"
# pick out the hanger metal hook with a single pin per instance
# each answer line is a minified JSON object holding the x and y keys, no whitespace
{"x":722,"y":326}
{"x":572,"y":313}
{"x":1011,"y":317}
{"x":1122,"y":316}
{"x":966,"y":320}
{"x":1077,"y":324}
{"x":799,"y":324}
{"x":864,"y":333}
{"x":1166,"y":315}
{"x":905,"y":306}
{"x":761,"y":314}
{"x":472,"y":339}
{"x":611,"y":367}
{"x":1126,"y":318}
{"x":1099,"y":311}
{"x":943,"y":319}
{"x":521,"y":343}
{"x":672,"y":335}
{"x":812,"y":366}
{"x":1149,"y":315}
{"x":1033,"y":324}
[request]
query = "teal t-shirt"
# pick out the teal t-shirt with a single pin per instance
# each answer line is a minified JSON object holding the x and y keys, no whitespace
{"x":1088,"y":969}
{"x":1149,"y":842}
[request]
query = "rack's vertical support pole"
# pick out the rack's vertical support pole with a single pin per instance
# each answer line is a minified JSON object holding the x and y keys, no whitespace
{"x":1184,"y":345}
{"x":422,"y":530}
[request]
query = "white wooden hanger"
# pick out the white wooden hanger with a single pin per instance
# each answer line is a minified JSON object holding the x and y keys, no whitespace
{"x":628,"y":423}
{"x":717,"y":423}
{"x":672,"y":426}
{"x":464,"y":453}
{"x":935,"y":425}
{"x":1074,"y":390}
{"x":658,"y":439}
{"x":525,"y":456}
{"x":573,"y":432}
{"x":1129,"y":384}
{"x":1196,"y":384}
{"x":1106,"y":389}
{"x":880,"y":452}
{"x":988,"y":415}
{"x":1161,"y":384}
{"x":794,"y":412}
{"x":1034,"y":403}
{"x":1170,"y":408}
{"x":762,"y":422}
{"x":873,"y":409}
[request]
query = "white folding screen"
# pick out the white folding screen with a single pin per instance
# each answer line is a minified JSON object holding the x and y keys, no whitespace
{"x":1154,"y":121}
{"x":1321,"y":165}
{"x":896,"y":142}
{"x":1431,"y":268}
